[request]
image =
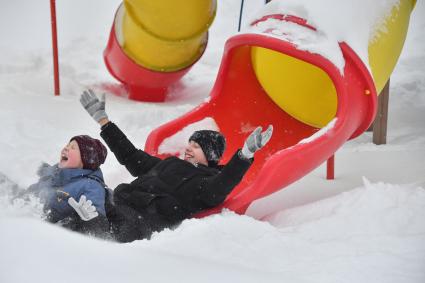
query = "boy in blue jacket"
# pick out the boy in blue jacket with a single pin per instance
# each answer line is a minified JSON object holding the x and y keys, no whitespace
{"x":77,"y":176}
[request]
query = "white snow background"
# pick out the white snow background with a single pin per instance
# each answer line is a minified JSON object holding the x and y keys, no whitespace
{"x":367,"y":225}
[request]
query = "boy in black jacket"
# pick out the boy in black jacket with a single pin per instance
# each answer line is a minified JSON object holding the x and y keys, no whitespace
{"x":168,"y":191}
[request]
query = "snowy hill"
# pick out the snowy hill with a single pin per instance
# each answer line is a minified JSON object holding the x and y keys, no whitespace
{"x":365,"y":226}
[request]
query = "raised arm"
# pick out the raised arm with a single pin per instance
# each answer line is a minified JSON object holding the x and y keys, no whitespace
{"x":216,"y":188}
{"x":137,"y":161}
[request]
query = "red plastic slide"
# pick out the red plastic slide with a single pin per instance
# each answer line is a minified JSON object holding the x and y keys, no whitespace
{"x":265,"y":78}
{"x":239,"y":103}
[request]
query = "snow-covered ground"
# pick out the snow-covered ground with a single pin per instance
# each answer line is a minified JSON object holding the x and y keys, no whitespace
{"x":365,"y":226}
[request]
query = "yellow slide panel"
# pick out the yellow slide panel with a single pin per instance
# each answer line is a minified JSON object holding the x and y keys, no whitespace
{"x":166,"y":35}
{"x":303,"y":90}
{"x":306,"y":92}
{"x":385,"y":48}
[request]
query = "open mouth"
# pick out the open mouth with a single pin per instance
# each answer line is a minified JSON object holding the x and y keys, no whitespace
{"x":186,"y":155}
{"x":64,"y":158}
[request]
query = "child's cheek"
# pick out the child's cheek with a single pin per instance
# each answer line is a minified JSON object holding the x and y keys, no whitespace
{"x":74,"y":159}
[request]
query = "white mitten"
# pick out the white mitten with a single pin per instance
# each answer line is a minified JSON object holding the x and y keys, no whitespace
{"x":85,"y":209}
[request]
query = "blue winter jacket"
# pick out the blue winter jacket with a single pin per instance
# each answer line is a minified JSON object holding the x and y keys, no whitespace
{"x":56,"y":185}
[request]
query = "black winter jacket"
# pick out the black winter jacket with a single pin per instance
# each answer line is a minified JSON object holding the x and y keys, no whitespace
{"x":167,"y":191}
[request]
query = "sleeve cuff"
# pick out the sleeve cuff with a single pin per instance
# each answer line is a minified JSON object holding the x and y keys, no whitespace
{"x":105,"y":126}
{"x":243,"y":157}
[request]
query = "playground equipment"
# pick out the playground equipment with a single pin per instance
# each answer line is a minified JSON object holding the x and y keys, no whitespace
{"x":152,"y":44}
{"x":314,"y":106}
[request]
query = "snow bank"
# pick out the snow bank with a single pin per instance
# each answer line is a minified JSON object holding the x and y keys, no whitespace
{"x":374,"y":233}
{"x":377,"y":229}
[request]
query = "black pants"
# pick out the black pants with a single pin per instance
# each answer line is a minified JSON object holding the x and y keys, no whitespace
{"x":129,"y":224}
{"x":98,"y":226}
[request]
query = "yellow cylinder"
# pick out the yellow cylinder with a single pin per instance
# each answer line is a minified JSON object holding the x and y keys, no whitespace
{"x":173,"y":19}
{"x":165,"y":35}
{"x":385,"y":48}
{"x":157,"y":54}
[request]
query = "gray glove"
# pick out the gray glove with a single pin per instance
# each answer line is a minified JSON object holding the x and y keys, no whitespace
{"x":84,"y":208}
{"x":94,"y":106}
{"x":256,"y":140}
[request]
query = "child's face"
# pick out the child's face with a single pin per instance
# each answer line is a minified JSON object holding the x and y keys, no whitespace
{"x":71,"y":156}
{"x":194,"y":154}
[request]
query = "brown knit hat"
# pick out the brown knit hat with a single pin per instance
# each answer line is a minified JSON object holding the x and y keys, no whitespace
{"x":93,"y":152}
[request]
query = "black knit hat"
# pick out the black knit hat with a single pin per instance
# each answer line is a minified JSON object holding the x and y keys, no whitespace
{"x":93,"y":152}
{"x":212,"y":143}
